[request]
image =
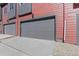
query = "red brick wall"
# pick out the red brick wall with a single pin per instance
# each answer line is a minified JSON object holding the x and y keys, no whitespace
{"x":4,"y":15}
{"x":43,"y":9}
{"x":27,"y":17}
{"x":0,"y":27}
{"x":19,"y":19}
{"x":70,"y":17}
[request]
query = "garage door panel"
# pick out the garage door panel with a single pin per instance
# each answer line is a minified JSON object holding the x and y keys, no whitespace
{"x":77,"y":28}
{"x":10,"y":29}
{"x":39,"y":29}
{"x":0,"y":13}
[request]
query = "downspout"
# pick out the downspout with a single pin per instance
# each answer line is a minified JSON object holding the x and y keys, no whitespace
{"x":63,"y":23}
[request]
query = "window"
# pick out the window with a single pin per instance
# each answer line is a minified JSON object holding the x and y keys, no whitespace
{"x":75,"y":5}
{"x":24,"y":8}
{"x":11,"y":6}
{"x":20,"y":4}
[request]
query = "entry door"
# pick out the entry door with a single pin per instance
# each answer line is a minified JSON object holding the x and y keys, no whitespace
{"x":10,"y":29}
{"x":44,"y":29}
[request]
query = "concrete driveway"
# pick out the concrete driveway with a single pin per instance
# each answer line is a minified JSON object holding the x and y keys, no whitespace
{"x":20,"y":46}
{"x":13,"y":45}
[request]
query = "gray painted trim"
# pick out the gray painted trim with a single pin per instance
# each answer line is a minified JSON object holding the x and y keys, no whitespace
{"x":25,"y":14}
{"x":37,"y":19}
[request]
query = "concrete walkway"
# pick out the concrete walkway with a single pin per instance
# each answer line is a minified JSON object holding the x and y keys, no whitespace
{"x":19,"y":46}
{"x":4,"y":36}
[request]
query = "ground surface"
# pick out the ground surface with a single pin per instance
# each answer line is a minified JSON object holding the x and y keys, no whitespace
{"x":19,"y":46}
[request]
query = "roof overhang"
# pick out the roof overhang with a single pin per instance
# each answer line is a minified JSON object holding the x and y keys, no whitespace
{"x":2,"y":4}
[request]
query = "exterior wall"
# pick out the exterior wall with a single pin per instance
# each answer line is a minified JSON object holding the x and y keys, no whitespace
{"x":0,"y":20}
{"x":70,"y":17}
{"x":5,"y":18}
{"x":0,"y":13}
{"x":24,"y":8}
{"x":11,"y":10}
{"x":47,"y":9}
{"x":19,"y":19}
{"x":51,"y":9}
{"x":62,"y":12}
{"x":5,"y":14}
{"x":1,"y":27}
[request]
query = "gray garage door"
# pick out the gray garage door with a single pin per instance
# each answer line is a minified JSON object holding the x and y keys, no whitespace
{"x":0,"y":29}
{"x":44,"y":29}
{"x":77,"y":28}
{"x":10,"y":29}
